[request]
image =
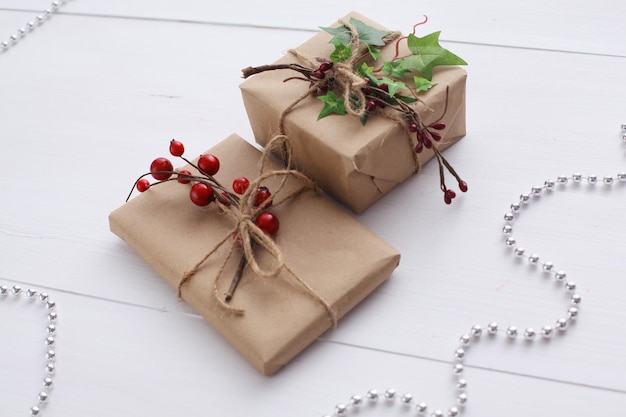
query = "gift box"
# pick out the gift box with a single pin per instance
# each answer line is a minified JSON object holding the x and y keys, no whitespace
{"x":331,"y":261}
{"x":357,"y":164}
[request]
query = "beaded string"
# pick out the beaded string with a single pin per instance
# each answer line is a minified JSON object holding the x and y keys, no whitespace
{"x":43,"y":299}
{"x":493,"y":329}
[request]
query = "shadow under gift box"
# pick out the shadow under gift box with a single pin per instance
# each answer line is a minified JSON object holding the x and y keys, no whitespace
{"x":354,"y":163}
{"x":335,"y":255}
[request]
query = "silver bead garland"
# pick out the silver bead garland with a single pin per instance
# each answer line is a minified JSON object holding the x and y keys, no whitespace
{"x":31,"y":26}
{"x":512,"y":332}
{"x":48,"y":343}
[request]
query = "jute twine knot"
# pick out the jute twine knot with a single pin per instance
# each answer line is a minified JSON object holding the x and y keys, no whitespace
{"x":247,"y":235}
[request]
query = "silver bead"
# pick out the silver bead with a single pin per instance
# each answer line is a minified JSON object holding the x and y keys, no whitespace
{"x":507,"y":229}
{"x":34,"y":410}
{"x":492,"y":328}
{"x":546,"y":332}
{"x":47,"y":382}
{"x":515,"y":207}
{"x":43,"y":296}
{"x":52,"y":316}
{"x":50,"y":368}
{"x":459,"y":354}
{"x":16,"y":290}
{"x":51,"y":354}
{"x":624,"y":127}
{"x":453,"y":412}
{"x":529,"y":333}
{"x":511,"y":332}
{"x":608,"y":180}
{"x":372,"y":395}
{"x":577,"y":177}
{"x":536,"y":191}
{"x":4,"y":290}
{"x":13,"y":39}
{"x":50,"y":304}
{"x":43,"y":396}
{"x":5,"y":45}
{"x":457,"y":369}
{"x":21,"y":32}
{"x":390,"y":394}
{"x":51,"y":329}
{"x":560,"y":276}
{"x":508,"y":217}
{"x":437,"y":413}
{"x":341,"y":409}
{"x":547,"y":266}
{"x":462,"y":398}
{"x":524,"y":198}
{"x":407,"y":398}
{"x":31,"y":293}
{"x":356,"y":400}
{"x":50,"y":341}
{"x":561,"y":324}
{"x":533,"y":259}
{"x":572,"y":313}
{"x":592,"y":179}
{"x":461,"y":384}
{"x":30,"y":26}
{"x":465,"y":340}
{"x":519,"y":251}
{"x":621,"y":176}
{"x":570,"y":286}
{"x":510,"y":241}
{"x":421,"y":407}
{"x":477,"y":331}
{"x":562,"y":179}
{"x":576,"y":299}
{"x":548,"y":185}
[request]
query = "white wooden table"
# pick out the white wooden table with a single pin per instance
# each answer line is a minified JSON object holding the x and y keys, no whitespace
{"x":94,"y":93}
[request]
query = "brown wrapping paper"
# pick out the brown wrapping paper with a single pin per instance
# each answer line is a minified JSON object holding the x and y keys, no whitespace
{"x":340,"y":259}
{"x":356,"y":164}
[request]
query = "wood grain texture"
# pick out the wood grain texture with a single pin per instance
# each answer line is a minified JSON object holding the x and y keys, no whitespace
{"x":89,"y":98}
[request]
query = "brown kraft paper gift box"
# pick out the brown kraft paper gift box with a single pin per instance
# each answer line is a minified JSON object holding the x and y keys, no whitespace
{"x":356,"y":164}
{"x":336,"y":256}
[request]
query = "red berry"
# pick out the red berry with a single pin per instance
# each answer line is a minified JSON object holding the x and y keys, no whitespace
{"x":366,"y":90}
{"x":413,"y":127}
{"x":447,"y":199}
{"x":201,"y":194}
{"x":438,"y":126}
{"x":428,"y":143}
{"x":318,"y":74}
{"x":384,"y":87}
{"x":240,"y":185}
{"x":436,"y":136}
{"x":176,"y":148}
{"x":450,"y":193}
{"x":209,"y":164}
{"x":463,"y":186}
{"x":267,"y":222}
{"x":326,"y":65}
{"x":262,"y":194}
{"x":419,"y":147}
{"x":184,"y":176}
{"x":371,"y":105}
{"x":142,"y":185}
{"x":161,"y":164}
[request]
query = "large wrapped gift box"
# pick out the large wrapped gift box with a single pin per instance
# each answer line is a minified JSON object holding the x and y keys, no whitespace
{"x":339,"y":259}
{"x":356,"y":164}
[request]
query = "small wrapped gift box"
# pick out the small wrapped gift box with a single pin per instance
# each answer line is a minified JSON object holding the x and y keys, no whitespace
{"x":357,"y":164}
{"x":338,"y":260}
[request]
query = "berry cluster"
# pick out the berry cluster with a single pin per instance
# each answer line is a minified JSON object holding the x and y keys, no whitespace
{"x":205,"y":189}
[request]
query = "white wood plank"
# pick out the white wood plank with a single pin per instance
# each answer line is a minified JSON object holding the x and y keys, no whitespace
{"x":581,"y":26}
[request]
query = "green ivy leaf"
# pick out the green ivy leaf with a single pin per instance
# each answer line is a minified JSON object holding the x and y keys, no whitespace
{"x":367,"y":34}
{"x":394,"y":86}
{"x":406,"y":99}
{"x":427,"y":54}
{"x":395,"y":69}
{"x":332,"y":105}
{"x":422,"y":84}
{"x":374,"y":52}
{"x":341,"y":53}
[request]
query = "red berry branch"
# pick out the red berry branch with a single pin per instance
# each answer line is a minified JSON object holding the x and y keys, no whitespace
{"x":206,"y":189}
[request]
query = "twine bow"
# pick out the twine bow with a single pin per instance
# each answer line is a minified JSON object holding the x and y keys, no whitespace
{"x":252,"y":238}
